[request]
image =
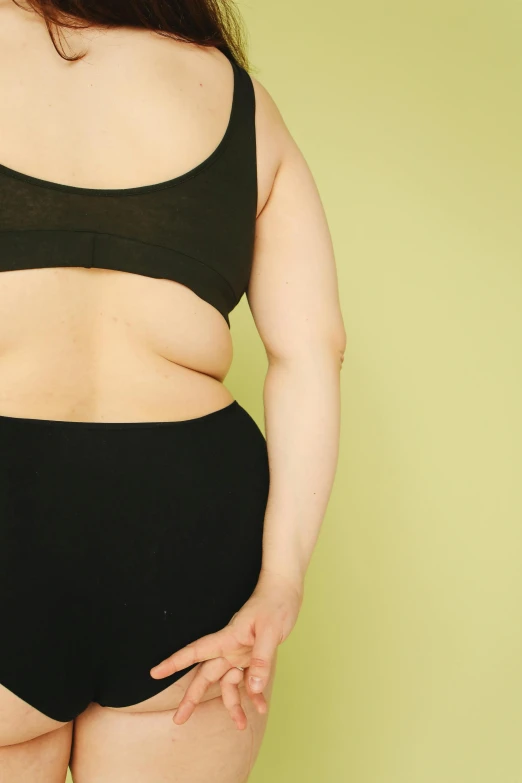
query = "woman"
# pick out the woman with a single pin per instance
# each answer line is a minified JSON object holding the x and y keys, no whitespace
{"x":153,"y":544}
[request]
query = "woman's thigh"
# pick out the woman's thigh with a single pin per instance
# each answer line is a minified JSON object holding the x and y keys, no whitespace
{"x":142,"y":744}
{"x":33,"y":747}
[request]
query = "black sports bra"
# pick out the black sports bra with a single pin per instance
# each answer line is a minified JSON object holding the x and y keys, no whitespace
{"x":197,"y":229}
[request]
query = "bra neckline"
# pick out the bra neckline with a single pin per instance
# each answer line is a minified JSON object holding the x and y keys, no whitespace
{"x":44,"y":183}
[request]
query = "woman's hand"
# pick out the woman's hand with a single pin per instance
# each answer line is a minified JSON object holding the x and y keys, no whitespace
{"x":249,"y":640}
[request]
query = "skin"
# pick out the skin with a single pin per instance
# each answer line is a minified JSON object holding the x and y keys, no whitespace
{"x":80,"y":334}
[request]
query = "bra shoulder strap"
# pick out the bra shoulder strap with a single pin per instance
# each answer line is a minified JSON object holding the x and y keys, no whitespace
{"x":244,"y":103}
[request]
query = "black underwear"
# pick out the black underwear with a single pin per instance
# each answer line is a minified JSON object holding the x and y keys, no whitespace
{"x":120,"y":543}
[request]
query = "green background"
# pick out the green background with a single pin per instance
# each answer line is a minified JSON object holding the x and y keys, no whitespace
{"x":405,"y":665}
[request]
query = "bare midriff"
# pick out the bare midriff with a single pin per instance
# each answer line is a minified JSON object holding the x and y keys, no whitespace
{"x":80,"y":344}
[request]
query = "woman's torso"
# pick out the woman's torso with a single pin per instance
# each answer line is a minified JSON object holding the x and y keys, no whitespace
{"x":92,"y":344}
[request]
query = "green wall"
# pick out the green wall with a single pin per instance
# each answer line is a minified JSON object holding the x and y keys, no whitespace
{"x":406,"y":662}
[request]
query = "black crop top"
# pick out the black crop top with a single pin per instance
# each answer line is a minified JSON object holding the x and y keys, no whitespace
{"x":197,"y":229}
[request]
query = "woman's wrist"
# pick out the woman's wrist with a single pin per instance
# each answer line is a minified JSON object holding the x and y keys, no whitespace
{"x":293,"y":580}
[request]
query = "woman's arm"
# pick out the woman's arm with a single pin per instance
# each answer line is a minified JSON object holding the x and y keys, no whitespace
{"x":294,"y":299}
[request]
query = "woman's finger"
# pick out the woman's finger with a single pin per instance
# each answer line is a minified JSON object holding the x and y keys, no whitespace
{"x":232,"y":698}
{"x":207,"y":674}
{"x":213,"y":645}
{"x":267,"y":637}
{"x":258,"y":700}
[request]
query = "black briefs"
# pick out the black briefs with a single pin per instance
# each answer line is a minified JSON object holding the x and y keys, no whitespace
{"x":120,"y":543}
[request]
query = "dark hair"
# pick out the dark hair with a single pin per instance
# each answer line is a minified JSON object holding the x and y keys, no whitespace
{"x":203,"y":22}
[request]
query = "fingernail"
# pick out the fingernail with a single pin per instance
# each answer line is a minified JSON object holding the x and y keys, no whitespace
{"x":255,"y":684}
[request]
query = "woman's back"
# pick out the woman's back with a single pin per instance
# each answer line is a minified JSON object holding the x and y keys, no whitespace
{"x":139,"y":110}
